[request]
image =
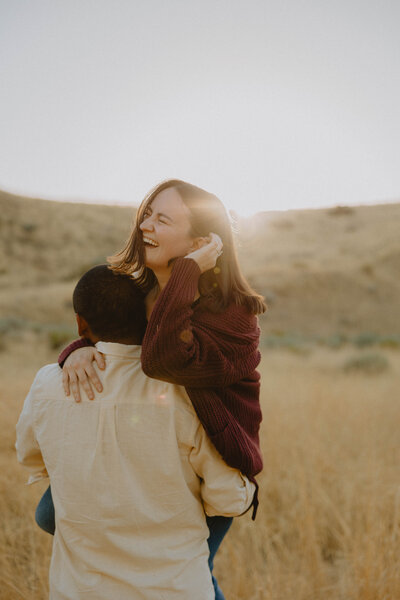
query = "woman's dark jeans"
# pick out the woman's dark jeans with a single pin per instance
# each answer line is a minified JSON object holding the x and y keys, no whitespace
{"x":218,"y":527}
{"x":44,"y":515}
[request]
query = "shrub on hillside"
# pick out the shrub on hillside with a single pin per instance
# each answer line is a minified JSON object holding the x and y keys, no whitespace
{"x":367,"y":338}
{"x":370,"y":364}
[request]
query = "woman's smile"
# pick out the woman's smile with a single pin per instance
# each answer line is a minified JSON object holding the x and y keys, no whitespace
{"x":149,"y":242}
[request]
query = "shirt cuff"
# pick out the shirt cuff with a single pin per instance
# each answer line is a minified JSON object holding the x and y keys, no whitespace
{"x":39,"y":476}
{"x":238,"y":501}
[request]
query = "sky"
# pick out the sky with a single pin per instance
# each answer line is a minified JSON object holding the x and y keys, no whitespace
{"x":271,"y":105}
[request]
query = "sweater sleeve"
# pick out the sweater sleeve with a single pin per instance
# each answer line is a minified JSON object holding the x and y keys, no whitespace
{"x":203,"y":350}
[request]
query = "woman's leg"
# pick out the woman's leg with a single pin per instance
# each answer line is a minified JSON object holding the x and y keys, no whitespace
{"x":218,"y":527}
{"x":44,"y":514}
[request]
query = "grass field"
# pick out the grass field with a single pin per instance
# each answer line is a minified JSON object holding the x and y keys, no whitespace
{"x":328,"y":526}
{"x":329,"y":517}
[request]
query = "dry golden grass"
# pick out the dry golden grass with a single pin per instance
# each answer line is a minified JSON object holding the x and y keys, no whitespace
{"x":328,"y":525}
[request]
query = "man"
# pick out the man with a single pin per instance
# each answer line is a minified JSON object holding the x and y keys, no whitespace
{"x":131,"y":472}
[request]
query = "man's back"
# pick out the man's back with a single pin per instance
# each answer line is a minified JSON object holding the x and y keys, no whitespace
{"x":125,"y":474}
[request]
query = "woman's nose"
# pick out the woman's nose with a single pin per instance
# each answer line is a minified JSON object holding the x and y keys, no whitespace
{"x":146,"y":225}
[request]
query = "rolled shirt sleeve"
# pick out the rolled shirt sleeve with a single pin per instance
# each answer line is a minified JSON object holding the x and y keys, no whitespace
{"x":225,"y":491}
{"x":27,"y":447}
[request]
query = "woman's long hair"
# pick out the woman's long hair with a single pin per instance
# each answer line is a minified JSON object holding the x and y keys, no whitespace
{"x":218,"y":287}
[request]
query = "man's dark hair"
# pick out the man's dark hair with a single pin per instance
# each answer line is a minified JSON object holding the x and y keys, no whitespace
{"x":112,"y":305}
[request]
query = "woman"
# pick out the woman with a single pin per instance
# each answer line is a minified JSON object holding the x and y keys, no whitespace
{"x":202,"y":329}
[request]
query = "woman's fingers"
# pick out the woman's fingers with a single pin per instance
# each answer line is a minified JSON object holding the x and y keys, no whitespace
{"x":101,"y":363}
{"x":81,"y":380}
{"x":78,"y":371}
{"x":85,"y":383}
{"x":92,"y":376}
{"x":216,"y":241}
{"x":74,"y":385}
{"x":206,"y":256}
{"x":74,"y":379}
{"x":65,"y":381}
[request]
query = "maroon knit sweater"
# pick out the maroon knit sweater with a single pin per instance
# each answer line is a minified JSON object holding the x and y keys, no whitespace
{"x":214,"y":356}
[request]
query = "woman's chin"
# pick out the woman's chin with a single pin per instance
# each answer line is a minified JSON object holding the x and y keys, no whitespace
{"x":150,"y":258}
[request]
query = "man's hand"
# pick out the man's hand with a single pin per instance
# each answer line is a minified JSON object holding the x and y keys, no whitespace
{"x":206,"y":256}
{"x":78,"y":369}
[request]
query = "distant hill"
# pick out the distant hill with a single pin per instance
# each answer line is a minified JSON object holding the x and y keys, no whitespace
{"x":328,"y":271}
{"x":323,"y":272}
{"x":43,"y":241}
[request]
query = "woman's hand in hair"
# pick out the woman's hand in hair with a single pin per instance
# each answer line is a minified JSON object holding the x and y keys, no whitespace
{"x":206,"y":256}
{"x":78,"y":370}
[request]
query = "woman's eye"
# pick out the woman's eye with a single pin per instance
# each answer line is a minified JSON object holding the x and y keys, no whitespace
{"x":162,"y":221}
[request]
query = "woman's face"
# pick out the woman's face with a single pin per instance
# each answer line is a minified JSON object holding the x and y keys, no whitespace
{"x":165,"y":229}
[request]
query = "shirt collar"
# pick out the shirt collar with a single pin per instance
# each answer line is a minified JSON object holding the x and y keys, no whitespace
{"x":123,"y":350}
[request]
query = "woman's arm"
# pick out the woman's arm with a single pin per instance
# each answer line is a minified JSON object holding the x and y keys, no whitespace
{"x":197,"y":348}
{"x":76,"y":361}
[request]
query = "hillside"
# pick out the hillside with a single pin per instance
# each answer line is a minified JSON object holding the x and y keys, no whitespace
{"x":331,"y":271}
{"x":324,"y":272}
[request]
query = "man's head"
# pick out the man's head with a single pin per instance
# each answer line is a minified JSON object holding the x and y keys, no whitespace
{"x":109,"y":307}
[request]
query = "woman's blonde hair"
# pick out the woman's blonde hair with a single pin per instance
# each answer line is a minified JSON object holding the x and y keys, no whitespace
{"x":218,"y":287}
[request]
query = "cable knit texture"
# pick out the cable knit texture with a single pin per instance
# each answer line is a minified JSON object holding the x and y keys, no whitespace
{"x":215,"y":357}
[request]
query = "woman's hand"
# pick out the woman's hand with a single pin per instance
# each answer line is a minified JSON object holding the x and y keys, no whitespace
{"x":78,"y":369}
{"x":206,"y":256}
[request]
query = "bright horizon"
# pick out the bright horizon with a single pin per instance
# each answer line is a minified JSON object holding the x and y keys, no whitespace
{"x":244,"y":214}
{"x":270,"y":106}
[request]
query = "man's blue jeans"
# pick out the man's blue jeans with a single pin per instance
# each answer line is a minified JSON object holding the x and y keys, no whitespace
{"x":218,"y":527}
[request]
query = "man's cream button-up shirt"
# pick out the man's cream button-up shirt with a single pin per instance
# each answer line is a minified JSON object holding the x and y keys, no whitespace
{"x":131,"y":474}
